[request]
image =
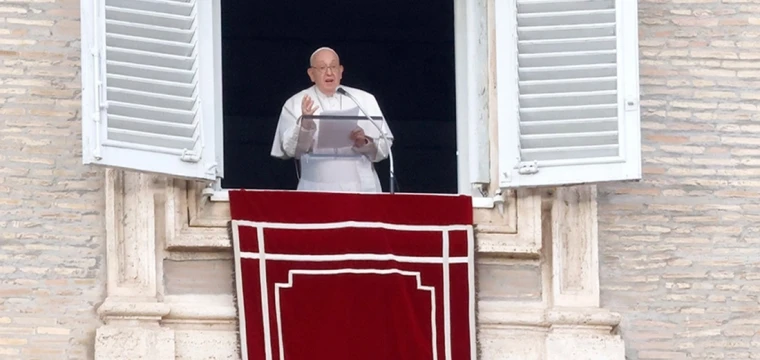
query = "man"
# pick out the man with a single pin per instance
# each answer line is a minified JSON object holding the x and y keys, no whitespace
{"x":297,"y":137}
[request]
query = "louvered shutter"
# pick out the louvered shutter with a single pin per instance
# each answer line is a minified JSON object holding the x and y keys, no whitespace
{"x":148,"y":98}
{"x":568,"y":90}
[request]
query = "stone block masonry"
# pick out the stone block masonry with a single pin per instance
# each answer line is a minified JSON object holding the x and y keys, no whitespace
{"x":52,"y":271}
{"x":680,"y":250}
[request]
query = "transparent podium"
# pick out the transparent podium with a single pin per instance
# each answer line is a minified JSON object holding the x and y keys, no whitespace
{"x":329,"y":135}
{"x":327,"y":152}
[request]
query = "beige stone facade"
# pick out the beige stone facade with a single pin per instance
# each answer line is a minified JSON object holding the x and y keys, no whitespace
{"x":52,"y":238}
{"x":103,"y":264}
{"x":679,"y":250}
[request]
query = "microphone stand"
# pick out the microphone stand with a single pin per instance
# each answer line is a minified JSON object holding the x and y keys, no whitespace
{"x":342,"y":91}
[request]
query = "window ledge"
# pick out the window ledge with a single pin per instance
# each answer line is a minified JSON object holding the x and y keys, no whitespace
{"x":477,"y":201}
{"x":204,"y":226}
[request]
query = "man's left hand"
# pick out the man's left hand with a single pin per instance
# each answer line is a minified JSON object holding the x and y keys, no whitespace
{"x":359,"y":138}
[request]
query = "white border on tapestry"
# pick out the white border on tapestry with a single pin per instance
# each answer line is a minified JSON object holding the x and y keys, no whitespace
{"x":416,"y":274}
{"x":262,"y":256}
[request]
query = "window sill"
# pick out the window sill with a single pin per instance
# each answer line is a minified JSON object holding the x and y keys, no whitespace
{"x":203,"y":227}
{"x":477,"y":202}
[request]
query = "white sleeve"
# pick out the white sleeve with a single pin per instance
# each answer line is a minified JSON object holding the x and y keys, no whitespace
{"x":291,"y":138}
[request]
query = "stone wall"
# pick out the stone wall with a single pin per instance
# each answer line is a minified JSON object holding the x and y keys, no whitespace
{"x":679,"y":250}
{"x":52,"y":271}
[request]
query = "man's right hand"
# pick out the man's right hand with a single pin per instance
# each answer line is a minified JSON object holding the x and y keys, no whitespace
{"x":308,"y":108}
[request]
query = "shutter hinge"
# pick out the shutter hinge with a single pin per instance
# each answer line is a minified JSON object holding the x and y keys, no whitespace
{"x":190,"y":156}
{"x":528,"y":168}
{"x":211,"y":169}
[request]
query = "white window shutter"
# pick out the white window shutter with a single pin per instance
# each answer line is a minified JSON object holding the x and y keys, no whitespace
{"x":148,"y":101}
{"x":568,"y":91}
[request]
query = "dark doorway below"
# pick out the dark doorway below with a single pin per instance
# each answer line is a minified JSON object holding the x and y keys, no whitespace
{"x":401,"y":51}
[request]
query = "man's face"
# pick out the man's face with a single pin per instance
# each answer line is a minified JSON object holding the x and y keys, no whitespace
{"x":326,"y":71}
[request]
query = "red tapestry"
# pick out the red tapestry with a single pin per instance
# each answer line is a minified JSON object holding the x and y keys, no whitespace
{"x":354,"y":276}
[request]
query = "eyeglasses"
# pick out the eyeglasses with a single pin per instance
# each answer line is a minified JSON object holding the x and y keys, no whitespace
{"x":323,"y":68}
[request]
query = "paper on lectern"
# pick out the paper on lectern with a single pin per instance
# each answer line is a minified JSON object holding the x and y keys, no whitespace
{"x":335,"y":134}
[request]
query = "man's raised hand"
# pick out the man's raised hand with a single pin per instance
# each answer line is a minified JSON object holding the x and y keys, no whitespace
{"x":308,"y":108}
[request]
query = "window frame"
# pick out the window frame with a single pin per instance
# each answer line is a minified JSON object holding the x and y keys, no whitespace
{"x":472,"y":116}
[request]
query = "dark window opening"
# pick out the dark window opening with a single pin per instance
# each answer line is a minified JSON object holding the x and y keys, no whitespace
{"x":400,"y":51}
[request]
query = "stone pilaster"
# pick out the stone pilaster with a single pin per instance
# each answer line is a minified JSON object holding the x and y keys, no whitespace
{"x":578,"y":328}
{"x":131,"y":310}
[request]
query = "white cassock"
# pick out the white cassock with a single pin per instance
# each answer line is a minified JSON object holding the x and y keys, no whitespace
{"x":353,"y":173}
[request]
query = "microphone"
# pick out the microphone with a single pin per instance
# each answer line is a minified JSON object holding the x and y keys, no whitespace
{"x":342,"y":91}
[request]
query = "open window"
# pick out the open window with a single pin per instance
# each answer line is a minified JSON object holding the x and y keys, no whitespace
{"x":566,"y":76}
{"x":399,"y":51}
